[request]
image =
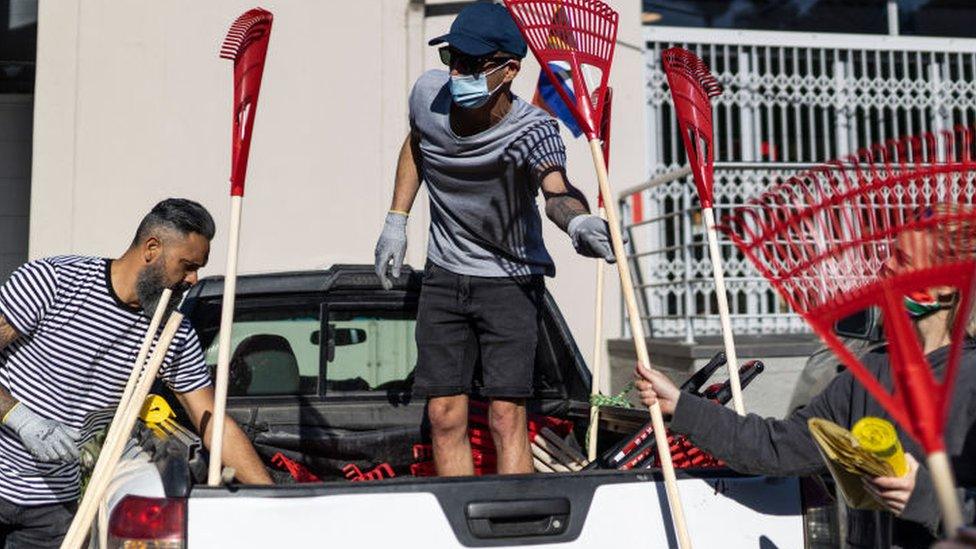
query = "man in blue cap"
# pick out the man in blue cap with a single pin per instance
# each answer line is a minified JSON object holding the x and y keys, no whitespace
{"x":485,"y":154}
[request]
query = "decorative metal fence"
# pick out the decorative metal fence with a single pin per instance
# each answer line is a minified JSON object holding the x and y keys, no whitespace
{"x":791,"y":100}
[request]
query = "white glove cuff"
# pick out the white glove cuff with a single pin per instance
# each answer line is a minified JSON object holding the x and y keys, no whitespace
{"x":17,"y":416}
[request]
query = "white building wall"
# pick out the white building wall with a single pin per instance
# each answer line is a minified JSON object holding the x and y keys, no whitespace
{"x":133,"y":105}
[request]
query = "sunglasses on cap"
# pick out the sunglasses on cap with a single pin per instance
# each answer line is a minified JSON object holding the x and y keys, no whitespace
{"x":469,"y":64}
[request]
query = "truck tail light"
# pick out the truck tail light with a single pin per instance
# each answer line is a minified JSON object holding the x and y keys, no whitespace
{"x":138,"y":522}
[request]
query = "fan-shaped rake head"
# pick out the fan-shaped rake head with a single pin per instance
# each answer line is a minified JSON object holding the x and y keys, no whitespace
{"x":581,"y":35}
{"x":692,"y":88}
{"x":895,"y":221}
{"x":247,"y":45}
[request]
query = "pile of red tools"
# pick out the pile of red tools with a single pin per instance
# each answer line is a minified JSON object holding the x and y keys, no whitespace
{"x":352,"y":472}
{"x":554,"y":449}
{"x":355,"y":474}
{"x":638,"y":450}
{"x":297,"y":471}
{"x":552,"y":446}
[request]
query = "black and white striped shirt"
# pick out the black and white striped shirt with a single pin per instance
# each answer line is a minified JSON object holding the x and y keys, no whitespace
{"x":78,"y":342}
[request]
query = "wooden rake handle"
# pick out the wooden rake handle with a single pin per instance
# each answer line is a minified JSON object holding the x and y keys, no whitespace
{"x":945,"y":491}
{"x":725,"y":318}
{"x":592,"y":435}
{"x":223,"y":344}
{"x":130,"y":384}
{"x":115,"y":427}
{"x":114,"y":446}
{"x":637,"y":331}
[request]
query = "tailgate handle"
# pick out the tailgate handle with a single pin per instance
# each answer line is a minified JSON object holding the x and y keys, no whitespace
{"x":518,"y":518}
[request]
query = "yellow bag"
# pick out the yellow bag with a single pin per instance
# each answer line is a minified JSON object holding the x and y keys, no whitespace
{"x":880,"y":438}
{"x":873,"y":450}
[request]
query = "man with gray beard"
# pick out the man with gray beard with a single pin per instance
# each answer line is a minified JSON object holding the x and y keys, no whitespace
{"x":70,"y":329}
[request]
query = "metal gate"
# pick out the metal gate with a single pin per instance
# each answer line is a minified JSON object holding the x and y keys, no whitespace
{"x":791,"y":100}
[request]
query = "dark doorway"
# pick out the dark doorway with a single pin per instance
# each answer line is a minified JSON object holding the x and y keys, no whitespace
{"x":18,"y":53}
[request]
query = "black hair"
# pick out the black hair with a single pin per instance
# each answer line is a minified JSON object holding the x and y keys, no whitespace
{"x":179,"y":214}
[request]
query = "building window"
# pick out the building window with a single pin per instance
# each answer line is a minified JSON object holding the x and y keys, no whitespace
{"x":953,"y":18}
{"x":18,"y":45}
{"x":867,"y":16}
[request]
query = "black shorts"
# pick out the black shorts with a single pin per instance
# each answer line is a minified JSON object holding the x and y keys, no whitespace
{"x":464,"y":321}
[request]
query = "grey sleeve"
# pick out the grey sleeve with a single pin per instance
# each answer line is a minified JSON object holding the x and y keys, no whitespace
{"x":755,"y":445}
{"x":923,"y":506}
{"x":424,"y":94}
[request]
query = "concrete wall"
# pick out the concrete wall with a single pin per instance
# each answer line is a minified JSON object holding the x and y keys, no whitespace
{"x":133,"y":105}
{"x":770,"y":394}
{"x":15,"y":164}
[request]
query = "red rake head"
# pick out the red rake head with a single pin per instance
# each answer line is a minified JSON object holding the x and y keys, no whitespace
{"x":247,"y":45}
{"x":580,"y":34}
{"x":605,"y":135}
{"x":897,"y":220}
{"x":692,"y":88}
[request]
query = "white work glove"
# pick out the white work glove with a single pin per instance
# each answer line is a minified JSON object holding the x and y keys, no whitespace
{"x":46,"y":439}
{"x":591,"y":237}
{"x":391,"y":247}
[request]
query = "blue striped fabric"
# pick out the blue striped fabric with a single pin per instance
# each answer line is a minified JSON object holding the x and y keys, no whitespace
{"x":78,"y":342}
{"x":547,"y":96}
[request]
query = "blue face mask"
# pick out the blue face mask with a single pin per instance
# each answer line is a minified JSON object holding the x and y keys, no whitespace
{"x":471,"y":90}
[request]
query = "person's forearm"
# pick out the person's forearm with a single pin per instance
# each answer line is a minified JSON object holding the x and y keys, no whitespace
{"x":748,"y":444}
{"x":561,"y":209}
{"x":563,"y":201}
{"x":7,"y":333}
{"x":239,"y":454}
{"x":7,"y":402}
{"x":237,"y":449}
{"x":407,"y":182}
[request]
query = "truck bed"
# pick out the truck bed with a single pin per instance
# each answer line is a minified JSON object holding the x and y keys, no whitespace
{"x":336,"y":391}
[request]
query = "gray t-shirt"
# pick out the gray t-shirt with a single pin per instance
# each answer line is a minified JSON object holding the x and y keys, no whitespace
{"x":483,"y":187}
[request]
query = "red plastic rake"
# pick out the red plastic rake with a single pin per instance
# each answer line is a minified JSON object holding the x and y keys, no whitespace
{"x":580,"y":35}
{"x":692,"y":88}
{"x":894,"y":221}
{"x":247,"y":45}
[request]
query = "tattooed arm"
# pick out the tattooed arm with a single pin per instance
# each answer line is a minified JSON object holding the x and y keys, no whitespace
{"x":7,"y":336}
{"x":566,"y":207}
{"x":563,"y":201}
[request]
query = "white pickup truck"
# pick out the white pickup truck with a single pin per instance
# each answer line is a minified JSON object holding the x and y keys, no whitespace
{"x":327,"y":402}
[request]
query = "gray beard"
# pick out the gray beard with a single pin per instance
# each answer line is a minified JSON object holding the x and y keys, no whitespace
{"x":149,"y":288}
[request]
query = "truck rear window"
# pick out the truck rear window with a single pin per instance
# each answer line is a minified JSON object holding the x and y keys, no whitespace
{"x":373,"y":350}
{"x":272,"y":352}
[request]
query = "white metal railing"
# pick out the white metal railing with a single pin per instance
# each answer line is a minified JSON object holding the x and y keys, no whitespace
{"x":791,"y":100}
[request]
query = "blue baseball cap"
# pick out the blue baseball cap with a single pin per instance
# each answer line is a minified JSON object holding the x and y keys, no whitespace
{"x":483,"y":28}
